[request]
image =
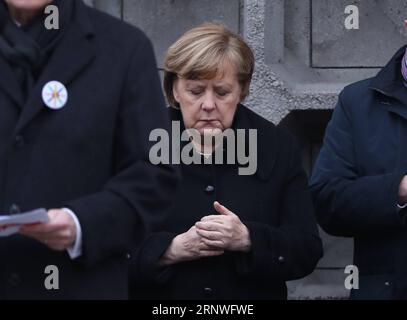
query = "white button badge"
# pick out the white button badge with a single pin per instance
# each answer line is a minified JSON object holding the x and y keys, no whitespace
{"x":54,"y":95}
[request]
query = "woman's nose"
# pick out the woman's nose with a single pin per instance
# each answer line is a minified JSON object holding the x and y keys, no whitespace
{"x":209,"y":103}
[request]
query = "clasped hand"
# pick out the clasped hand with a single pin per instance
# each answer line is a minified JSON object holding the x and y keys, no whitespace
{"x":211,"y":236}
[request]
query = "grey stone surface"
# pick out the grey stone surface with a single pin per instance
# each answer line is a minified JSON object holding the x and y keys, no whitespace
{"x":274,"y":99}
{"x":335,"y":46}
{"x":166,"y":20}
{"x":114,"y":7}
{"x":294,"y":67}
{"x":297,"y":24}
{"x":270,"y":96}
{"x":322,"y":284}
{"x":338,"y":252}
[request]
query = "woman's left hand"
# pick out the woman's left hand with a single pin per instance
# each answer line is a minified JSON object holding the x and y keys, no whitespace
{"x":224,"y":231}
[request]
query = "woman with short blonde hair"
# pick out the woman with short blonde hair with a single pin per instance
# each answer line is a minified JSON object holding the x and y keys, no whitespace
{"x":228,"y":236}
{"x":200,"y":53}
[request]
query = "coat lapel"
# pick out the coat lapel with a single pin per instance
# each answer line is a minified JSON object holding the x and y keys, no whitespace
{"x":394,"y":99}
{"x":389,"y":84}
{"x":9,"y":83}
{"x":74,"y":54}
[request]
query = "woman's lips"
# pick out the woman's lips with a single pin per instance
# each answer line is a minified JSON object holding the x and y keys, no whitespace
{"x":209,"y":122}
{"x":210,"y":125}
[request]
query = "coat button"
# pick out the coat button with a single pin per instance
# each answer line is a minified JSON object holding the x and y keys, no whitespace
{"x":14,"y":209}
{"x":209,"y":189}
{"x":387,"y":283}
{"x":208,"y":292}
{"x":19,"y":141}
{"x":14,"y":280}
{"x":281,"y":259}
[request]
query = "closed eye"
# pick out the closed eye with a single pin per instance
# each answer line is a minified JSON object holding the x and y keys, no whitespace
{"x":222,"y":93}
{"x":196,"y":92}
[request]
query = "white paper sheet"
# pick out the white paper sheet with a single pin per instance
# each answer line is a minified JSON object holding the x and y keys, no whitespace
{"x":12,"y":223}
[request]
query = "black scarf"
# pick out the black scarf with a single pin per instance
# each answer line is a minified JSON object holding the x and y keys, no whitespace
{"x":28,"y":48}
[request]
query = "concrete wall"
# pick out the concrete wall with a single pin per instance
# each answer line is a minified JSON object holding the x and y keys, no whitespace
{"x":304,"y":57}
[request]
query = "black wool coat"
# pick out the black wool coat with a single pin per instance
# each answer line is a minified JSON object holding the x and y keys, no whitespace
{"x":90,"y":156}
{"x":275,"y":205}
{"x":356,"y":180}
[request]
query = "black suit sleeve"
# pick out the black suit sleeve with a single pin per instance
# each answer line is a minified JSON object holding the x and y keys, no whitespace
{"x":292,"y":249}
{"x":145,"y":269}
{"x":348,"y":204}
{"x":135,"y":198}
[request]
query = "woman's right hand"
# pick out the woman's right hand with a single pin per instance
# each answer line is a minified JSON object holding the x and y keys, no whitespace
{"x":187,"y":246}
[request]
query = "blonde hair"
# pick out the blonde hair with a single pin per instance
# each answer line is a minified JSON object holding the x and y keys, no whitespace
{"x":201,"y":53}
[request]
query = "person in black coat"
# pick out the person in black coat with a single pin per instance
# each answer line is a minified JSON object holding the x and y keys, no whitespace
{"x":77,"y":106}
{"x":359,"y":182}
{"x":231,"y":234}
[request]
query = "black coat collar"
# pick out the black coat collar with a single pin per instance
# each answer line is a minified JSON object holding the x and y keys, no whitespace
{"x":389,"y":84}
{"x":389,"y":81}
{"x":266,"y":142}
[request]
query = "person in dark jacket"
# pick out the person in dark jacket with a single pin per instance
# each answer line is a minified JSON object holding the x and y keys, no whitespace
{"x":229,"y":234}
{"x":77,"y":105}
{"x":359,"y":181}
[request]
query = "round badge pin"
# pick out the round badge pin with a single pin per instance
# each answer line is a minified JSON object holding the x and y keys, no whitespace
{"x":54,"y":95}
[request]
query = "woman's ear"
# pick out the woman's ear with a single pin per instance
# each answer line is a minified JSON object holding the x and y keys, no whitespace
{"x":175,"y":92}
{"x":244,"y":92}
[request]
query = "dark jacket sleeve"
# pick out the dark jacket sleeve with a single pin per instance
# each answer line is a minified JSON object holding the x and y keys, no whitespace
{"x":292,"y":249}
{"x":136,"y":196}
{"x":348,"y":204}
{"x":145,"y":268}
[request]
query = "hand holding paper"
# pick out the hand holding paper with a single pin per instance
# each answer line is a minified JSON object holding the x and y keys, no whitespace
{"x":59,"y":233}
{"x":11,"y":224}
